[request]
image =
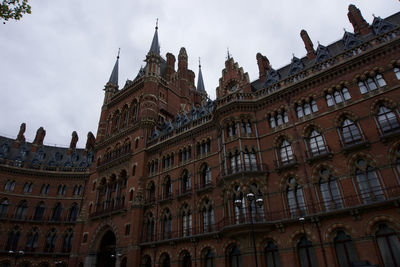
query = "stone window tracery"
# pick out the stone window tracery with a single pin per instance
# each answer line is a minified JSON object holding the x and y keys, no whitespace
{"x":295,"y":198}
{"x":371,"y":83}
{"x":337,"y":96}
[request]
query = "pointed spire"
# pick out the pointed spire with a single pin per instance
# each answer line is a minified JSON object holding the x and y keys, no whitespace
{"x":114,"y":73}
{"x":155,"y":46}
{"x":200,"y":82}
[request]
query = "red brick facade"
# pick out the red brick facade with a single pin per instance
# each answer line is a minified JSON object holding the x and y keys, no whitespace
{"x":298,"y":168}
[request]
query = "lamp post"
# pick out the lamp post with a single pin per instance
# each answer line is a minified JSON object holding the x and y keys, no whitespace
{"x":259,"y":201}
{"x":58,"y":263}
{"x":16,"y":254}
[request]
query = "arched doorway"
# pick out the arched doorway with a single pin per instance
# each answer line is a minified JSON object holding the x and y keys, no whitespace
{"x":106,"y":255}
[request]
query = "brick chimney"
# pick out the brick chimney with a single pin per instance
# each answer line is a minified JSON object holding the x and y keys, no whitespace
{"x":361,"y":27}
{"x":263,"y":66}
{"x":308,"y":44}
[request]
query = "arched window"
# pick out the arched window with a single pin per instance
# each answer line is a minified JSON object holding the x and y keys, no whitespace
{"x":388,"y":120}
{"x":57,"y":211}
{"x":306,"y":253}
{"x":397,"y":72}
{"x":146,"y":261}
{"x":350,"y":133}
{"x":389,"y":245}
{"x":73,"y":212}
{"x":39,"y":212}
{"x":371,"y":84}
{"x":186,"y":259}
{"x":22,"y":208}
{"x":235,"y":257}
{"x":186,"y":183}
{"x":272,"y":255}
{"x":294,"y":192}
{"x":239,"y":205}
{"x":285,"y":152}
{"x":167,"y":224}
{"x":4,"y":208}
{"x":149,"y":227}
{"x":152,"y":192}
{"x":207,"y":214}
{"x":329,"y":190}
{"x":234,"y":159}
{"x":167,"y":188}
{"x":9,"y":186}
{"x":165,"y":261}
{"x":67,"y":244}
{"x":32,"y":240}
{"x":205,"y":175}
{"x":50,"y":241}
{"x":13,"y":238}
{"x":208,"y":258}
{"x":316,"y":144}
{"x":368,"y":183}
{"x":186,"y":221}
{"x":337,"y":96}
{"x":345,"y":251}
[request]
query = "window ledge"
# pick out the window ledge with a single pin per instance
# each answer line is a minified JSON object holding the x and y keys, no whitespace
{"x":356,"y":146}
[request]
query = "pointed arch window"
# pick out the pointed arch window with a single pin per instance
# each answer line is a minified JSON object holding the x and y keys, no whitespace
{"x":4,"y":208}
{"x":387,"y":120}
{"x":234,"y":159}
{"x":306,"y":253}
{"x":294,"y":192}
{"x":186,"y":182}
{"x":68,"y":237}
{"x":209,"y":258}
{"x":73,"y":212}
{"x":9,"y":186}
{"x":368,"y":182}
{"x":337,"y":96}
{"x":257,"y":204}
{"x":286,"y":155}
{"x":350,"y":133}
{"x":150,"y":227}
{"x":371,"y":84}
{"x":235,"y":258}
{"x":57,"y":211}
{"x":167,"y":188}
{"x":39,"y":211}
{"x":32,"y":240}
{"x":345,"y":251}
{"x":272,"y":255}
{"x":329,"y":190}
{"x":316,"y":143}
{"x":13,"y":239}
{"x":22,"y":208}
{"x":205,"y":176}
{"x":167,"y":224}
{"x":186,"y":221}
{"x":207,"y":214}
{"x":50,"y":241}
{"x":389,"y":245}
{"x":186,"y":260}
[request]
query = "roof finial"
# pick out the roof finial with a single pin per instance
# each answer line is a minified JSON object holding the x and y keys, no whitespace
{"x":157,"y":24}
{"x":292,"y":54}
{"x":199,"y":63}
{"x":119,"y":49}
{"x":229,"y":55}
{"x":318,"y":43}
{"x":344,"y":29}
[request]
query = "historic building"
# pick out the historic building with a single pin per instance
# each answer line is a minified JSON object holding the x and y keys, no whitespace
{"x":300,"y":167}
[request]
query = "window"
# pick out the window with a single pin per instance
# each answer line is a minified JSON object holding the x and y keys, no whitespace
{"x":286,"y":152}
{"x":205,"y":176}
{"x":13,"y":238}
{"x":231,"y":129}
{"x":50,"y":241}
{"x":371,"y":84}
{"x":186,"y":259}
{"x":246,"y":127}
{"x":207,"y":214}
{"x":151,"y":192}
{"x":28,"y":186}
{"x":306,"y":253}
{"x":10,"y":185}
{"x":209,"y":258}
{"x":235,"y":258}
{"x":73,"y":212}
{"x":149,"y":227}
{"x":20,"y":213}
{"x":44,"y":190}
{"x":278,"y":119}
{"x":350,"y":133}
{"x":186,"y":221}
{"x":167,"y":224}
{"x":61,"y":191}
{"x":257,"y":205}
{"x":388,"y":120}
{"x":4,"y":208}
{"x":57,"y":211}
{"x":234,"y":158}
{"x":239,"y":205}
{"x":306,"y":108}
{"x":167,"y":188}
{"x":134,"y":170}
{"x":67,"y":244}
{"x":127,"y":229}
{"x":389,"y":245}
{"x":165,"y":261}
{"x":337,"y":97}
{"x":329,"y":191}
{"x":272,"y":255}
{"x":294,"y":192}
{"x":32,"y":240}
{"x":397,"y":72}
{"x":345,"y":251}
{"x":186,"y":183}
{"x":316,"y":144}
{"x":39,"y":212}
{"x":250,"y":159}
{"x":203,"y":148}
{"x":368,"y":183}
{"x":85,"y":238}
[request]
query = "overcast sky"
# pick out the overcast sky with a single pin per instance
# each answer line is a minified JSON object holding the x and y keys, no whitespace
{"x":55,"y":62}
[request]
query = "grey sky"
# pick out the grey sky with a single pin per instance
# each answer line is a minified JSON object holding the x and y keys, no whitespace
{"x":55,"y":62}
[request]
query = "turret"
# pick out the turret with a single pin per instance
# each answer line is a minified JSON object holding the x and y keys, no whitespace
{"x":112,"y":85}
{"x":170,"y":67}
{"x":153,"y":58}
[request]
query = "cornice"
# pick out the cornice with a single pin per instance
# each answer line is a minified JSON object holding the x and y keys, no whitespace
{"x":44,"y":173}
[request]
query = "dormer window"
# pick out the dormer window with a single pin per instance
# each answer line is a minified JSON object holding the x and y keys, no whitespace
{"x":233,"y":87}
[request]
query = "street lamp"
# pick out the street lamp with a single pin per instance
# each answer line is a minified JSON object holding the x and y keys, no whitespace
{"x":258,"y":201}
{"x":16,"y":254}
{"x":58,"y":263}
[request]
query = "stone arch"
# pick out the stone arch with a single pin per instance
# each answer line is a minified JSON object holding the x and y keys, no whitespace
{"x":372,"y":223}
{"x":99,"y":233}
{"x":201,"y":202}
{"x":306,"y":131}
{"x":294,"y":238}
{"x":393,"y":152}
{"x":382,"y":100}
{"x":229,"y":244}
{"x":315,"y":175}
{"x":351,"y":162}
{"x":262,"y":186}
{"x":283,"y":182}
{"x":203,"y":247}
{"x":183,"y":250}
{"x":262,"y":243}
{"x":332,"y":229}
{"x":280,"y":137}
{"x":339,"y":118}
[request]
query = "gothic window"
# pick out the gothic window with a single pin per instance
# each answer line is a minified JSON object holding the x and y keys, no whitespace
{"x":32,"y":240}
{"x":295,"y":198}
{"x":388,"y":120}
{"x":278,"y":119}
{"x":345,"y":251}
{"x":234,"y":159}
{"x":165,"y":261}
{"x":306,"y":108}
{"x":13,"y":238}
{"x":44,"y":189}
{"x":205,"y":175}
{"x":209,"y":258}
{"x":10,"y":185}
{"x":186,"y":259}
{"x":67,"y":244}
{"x":389,"y":245}
{"x":397,"y":72}
{"x":231,"y":129}
{"x":350,"y":133}
{"x":186,"y":221}
{"x":167,"y":224}
{"x":329,"y":190}
{"x":203,"y":148}
{"x":50,"y":241}
{"x":246,"y":127}
{"x":306,"y":253}
{"x":3,"y":208}
{"x":235,"y":257}
{"x":22,"y":208}
{"x":207,"y":216}
{"x":152,"y":192}
{"x":250,"y":159}
{"x":286,"y":155}
{"x":28,"y":186}
{"x":272,"y":255}
{"x":149,"y":227}
{"x":57,"y":211}
{"x":368,"y":182}
{"x":61,"y":191}
{"x":73,"y":212}
{"x":371,"y":84}
{"x":39,"y":212}
{"x":239,"y":205}
{"x":167,"y":188}
{"x":186,"y":183}
{"x":316,"y":144}
{"x":337,"y":96}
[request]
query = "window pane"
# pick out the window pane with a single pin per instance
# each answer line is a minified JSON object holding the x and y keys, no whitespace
{"x":363,"y":88}
{"x":314,"y":106}
{"x":329,"y":100}
{"x":371,"y":84}
{"x":346,"y":94}
{"x":307,"y":109}
{"x":338,"y":97}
